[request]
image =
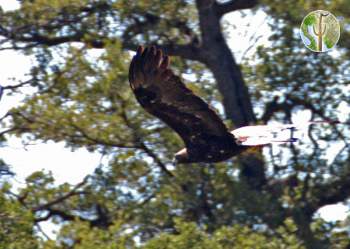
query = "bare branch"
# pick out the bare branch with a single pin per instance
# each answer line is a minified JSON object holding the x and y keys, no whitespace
{"x":47,"y":237}
{"x":13,"y":87}
{"x":56,"y":212}
{"x":161,"y":165}
{"x":272,"y":107}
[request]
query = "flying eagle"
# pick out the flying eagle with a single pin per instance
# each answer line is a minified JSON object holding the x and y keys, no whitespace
{"x":163,"y":94}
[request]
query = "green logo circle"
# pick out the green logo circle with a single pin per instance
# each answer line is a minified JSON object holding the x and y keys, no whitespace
{"x":320,"y":31}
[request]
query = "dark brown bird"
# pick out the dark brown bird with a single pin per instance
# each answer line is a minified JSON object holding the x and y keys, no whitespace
{"x":164,"y":95}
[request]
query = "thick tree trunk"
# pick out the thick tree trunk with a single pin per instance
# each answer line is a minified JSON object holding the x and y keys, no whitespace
{"x":237,"y":104}
{"x":216,"y":54}
{"x":236,"y":99}
{"x":219,"y":59}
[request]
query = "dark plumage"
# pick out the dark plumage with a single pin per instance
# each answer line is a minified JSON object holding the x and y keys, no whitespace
{"x":165,"y":96}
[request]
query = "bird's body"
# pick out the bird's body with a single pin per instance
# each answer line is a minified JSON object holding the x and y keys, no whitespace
{"x":164,"y":95}
{"x":212,"y":150}
{"x":207,"y":139}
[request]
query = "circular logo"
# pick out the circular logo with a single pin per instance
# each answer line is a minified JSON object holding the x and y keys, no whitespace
{"x":320,"y":31}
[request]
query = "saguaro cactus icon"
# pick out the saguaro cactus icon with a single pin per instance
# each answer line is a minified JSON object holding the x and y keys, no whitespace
{"x":321,"y":30}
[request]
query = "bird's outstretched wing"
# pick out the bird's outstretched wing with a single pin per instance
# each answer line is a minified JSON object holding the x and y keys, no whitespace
{"x":165,"y":96}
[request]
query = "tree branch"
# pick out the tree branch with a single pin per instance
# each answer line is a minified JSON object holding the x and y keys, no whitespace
{"x":319,"y":112}
{"x":161,"y":165}
{"x":55,"y":212}
{"x":13,"y":87}
{"x":272,"y":107}
{"x":38,"y":39}
{"x":233,"y":5}
{"x":96,"y":140}
{"x":332,"y":192}
{"x":187,"y":51}
{"x":62,"y":198}
{"x":30,"y":34}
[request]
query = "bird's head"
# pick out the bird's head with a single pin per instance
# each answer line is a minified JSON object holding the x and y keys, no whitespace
{"x":182,"y":156}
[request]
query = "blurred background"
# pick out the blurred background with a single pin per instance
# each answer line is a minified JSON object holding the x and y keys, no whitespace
{"x":84,"y":166}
